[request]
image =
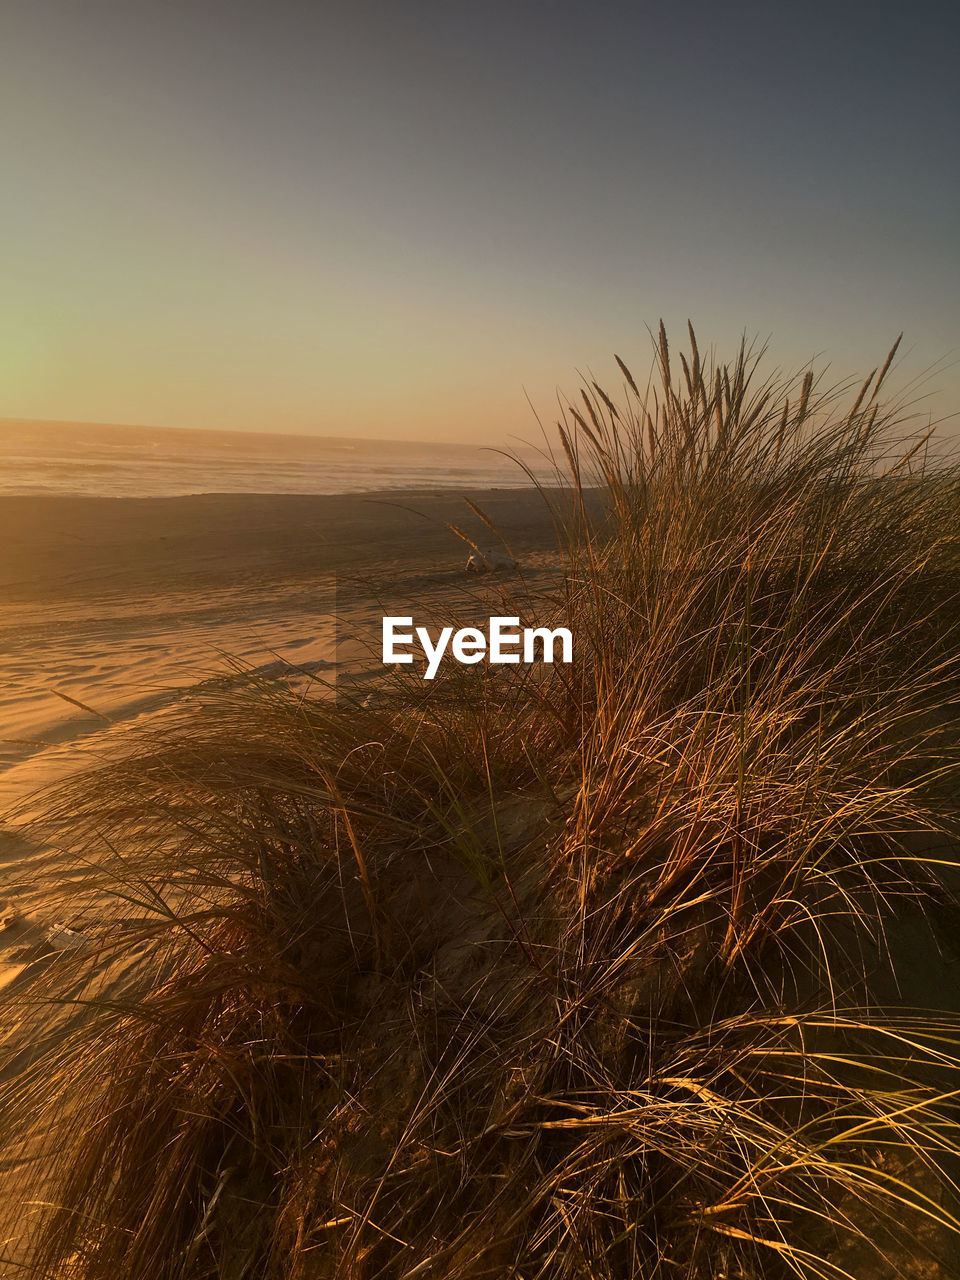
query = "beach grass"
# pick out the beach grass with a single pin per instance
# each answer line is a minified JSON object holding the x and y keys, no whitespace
{"x":583,"y":971}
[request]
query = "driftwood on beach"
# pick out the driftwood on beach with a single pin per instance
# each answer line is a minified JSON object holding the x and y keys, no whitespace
{"x":490,"y":561}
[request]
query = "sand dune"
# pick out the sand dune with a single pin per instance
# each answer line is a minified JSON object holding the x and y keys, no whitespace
{"x":116,"y":613}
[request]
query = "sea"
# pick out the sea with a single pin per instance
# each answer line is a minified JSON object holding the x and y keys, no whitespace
{"x":106,"y":460}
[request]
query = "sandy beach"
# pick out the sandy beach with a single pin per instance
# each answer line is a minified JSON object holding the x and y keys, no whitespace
{"x":111,"y":601}
{"x":124,"y":606}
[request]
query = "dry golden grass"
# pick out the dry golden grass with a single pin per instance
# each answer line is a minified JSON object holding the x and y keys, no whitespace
{"x":526,"y":975}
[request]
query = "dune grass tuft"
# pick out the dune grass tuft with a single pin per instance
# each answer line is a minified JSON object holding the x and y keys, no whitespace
{"x":584,"y":973}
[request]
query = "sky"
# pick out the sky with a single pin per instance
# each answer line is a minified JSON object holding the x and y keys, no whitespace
{"x":403,"y":220}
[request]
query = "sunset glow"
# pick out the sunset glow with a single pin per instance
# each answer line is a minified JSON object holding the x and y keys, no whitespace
{"x":392,"y":221}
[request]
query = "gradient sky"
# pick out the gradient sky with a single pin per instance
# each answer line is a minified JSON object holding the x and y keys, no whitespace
{"x":389,"y":219}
